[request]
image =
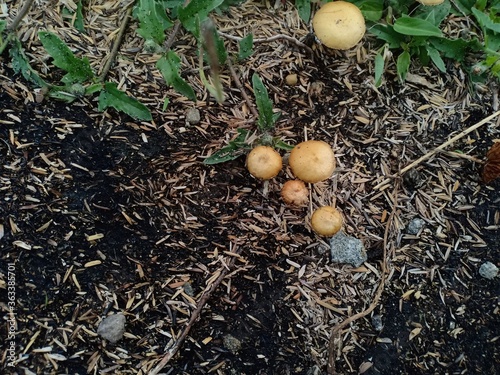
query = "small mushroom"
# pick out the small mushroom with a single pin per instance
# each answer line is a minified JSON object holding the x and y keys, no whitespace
{"x":312,"y":161}
{"x":339,"y":25}
{"x":264,"y":162}
{"x":295,"y":193}
{"x":326,"y":221}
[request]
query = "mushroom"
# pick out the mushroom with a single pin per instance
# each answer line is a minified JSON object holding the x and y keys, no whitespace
{"x":326,"y":221}
{"x":312,"y":161}
{"x":295,"y":193}
{"x":339,"y":25}
{"x":264,"y":162}
{"x":431,"y":2}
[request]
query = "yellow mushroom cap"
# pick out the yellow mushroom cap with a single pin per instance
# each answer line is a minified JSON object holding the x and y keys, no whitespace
{"x":264,"y":162}
{"x":339,"y":25}
{"x":295,"y":192}
{"x":326,"y":221}
{"x":431,"y":2}
{"x":312,"y":161}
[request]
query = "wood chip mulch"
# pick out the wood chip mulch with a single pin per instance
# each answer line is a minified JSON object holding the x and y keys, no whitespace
{"x":101,"y":214}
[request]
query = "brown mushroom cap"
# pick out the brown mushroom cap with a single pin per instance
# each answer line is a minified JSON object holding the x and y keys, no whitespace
{"x":339,"y":25}
{"x":295,"y":192}
{"x":264,"y":162}
{"x":326,"y":221}
{"x":312,"y":161}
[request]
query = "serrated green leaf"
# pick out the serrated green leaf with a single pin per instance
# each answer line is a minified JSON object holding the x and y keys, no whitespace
{"x":455,"y":49}
{"x":169,"y":66}
{"x":485,"y":20}
{"x":416,"y":27}
{"x":304,"y":9}
{"x":267,"y":118}
{"x":245,"y":47}
{"x":20,"y":64}
{"x":78,"y":70}
{"x":110,"y":96}
{"x":153,"y":20}
{"x":434,"y":14}
{"x":3,"y":26}
{"x":402,"y":65}
{"x":232,"y":151}
{"x":196,"y":11}
{"x":92,"y":89}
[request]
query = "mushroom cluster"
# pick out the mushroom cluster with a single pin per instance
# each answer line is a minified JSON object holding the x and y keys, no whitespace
{"x":310,"y":162}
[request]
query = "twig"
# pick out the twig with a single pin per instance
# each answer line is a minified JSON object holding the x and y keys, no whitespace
{"x":171,"y":38}
{"x":170,"y":353}
{"x":335,"y":334}
{"x":22,"y":13}
{"x":449,"y":142}
{"x":241,"y":88}
{"x":439,"y":148}
{"x":116,"y":45}
{"x":271,"y":39}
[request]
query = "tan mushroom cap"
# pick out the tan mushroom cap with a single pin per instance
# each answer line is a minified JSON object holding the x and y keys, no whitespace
{"x":264,"y":162}
{"x":339,"y":25}
{"x":312,"y":161}
{"x":431,"y":2}
{"x":295,"y":193}
{"x":326,"y":221}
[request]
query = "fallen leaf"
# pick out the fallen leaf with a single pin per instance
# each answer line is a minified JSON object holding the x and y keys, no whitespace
{"x":491,"y":169}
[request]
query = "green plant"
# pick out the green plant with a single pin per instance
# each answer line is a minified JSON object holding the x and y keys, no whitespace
{"x":414,"y":31}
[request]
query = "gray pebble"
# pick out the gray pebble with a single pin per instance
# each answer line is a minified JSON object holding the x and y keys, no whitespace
{"x":488,"y":270}
{"x":377,"y":322}
{"x":415,"y":225}
{"x":347,"y":249}
{"x":231,"y":343}
{"x":193,"y":116}
{"x":112,"y":328}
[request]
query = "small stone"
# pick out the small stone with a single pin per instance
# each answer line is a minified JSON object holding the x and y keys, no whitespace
{"x":377,"y":322}
{"x":415,"y":225}
{"x":488,"y":270}
{"x":112,"y":328}
{"x":347,"y":249}
{"x":193,"y":116}
{"x":231,"y":343}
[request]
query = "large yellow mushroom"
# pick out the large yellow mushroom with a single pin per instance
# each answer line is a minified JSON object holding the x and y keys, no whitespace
{"x":312,"y":161}
{"x":339,"y":25}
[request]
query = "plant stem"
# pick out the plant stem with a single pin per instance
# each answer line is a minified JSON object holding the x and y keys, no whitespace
{"x":242,"y":89}
{"x":116,"y":45}
{"x":22,"y":13}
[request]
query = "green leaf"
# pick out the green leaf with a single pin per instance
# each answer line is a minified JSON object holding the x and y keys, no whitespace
{"x":232,"y":151}
{"x":78,"y":23}
{"x":20,"y":64}
{"x":304,"y":9}
{"x":415,"y":27}
{"x":486,"y":21}
{"x":434,"y":14}
{"x":153,"y":20}
{"x":402,"y":65}
{"x":267,"y":118}
{"x":112,"y":97}
{"x":245,"y":47}
{"x":455,"y":49}
{"x":388,"y":35}
{"x":279,"y":144}
{"x":436,"y":58}
{"x":196,"y":11}
{"x":372,"y":10}
{"x":379,"y":67}
{"x":3,"y":26}
{"x":79,"y":70}
{"x":92,"y":89}
{"x":169,"y":65}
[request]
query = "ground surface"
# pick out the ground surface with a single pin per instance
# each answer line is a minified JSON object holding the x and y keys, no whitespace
{"x":102,"y":214}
